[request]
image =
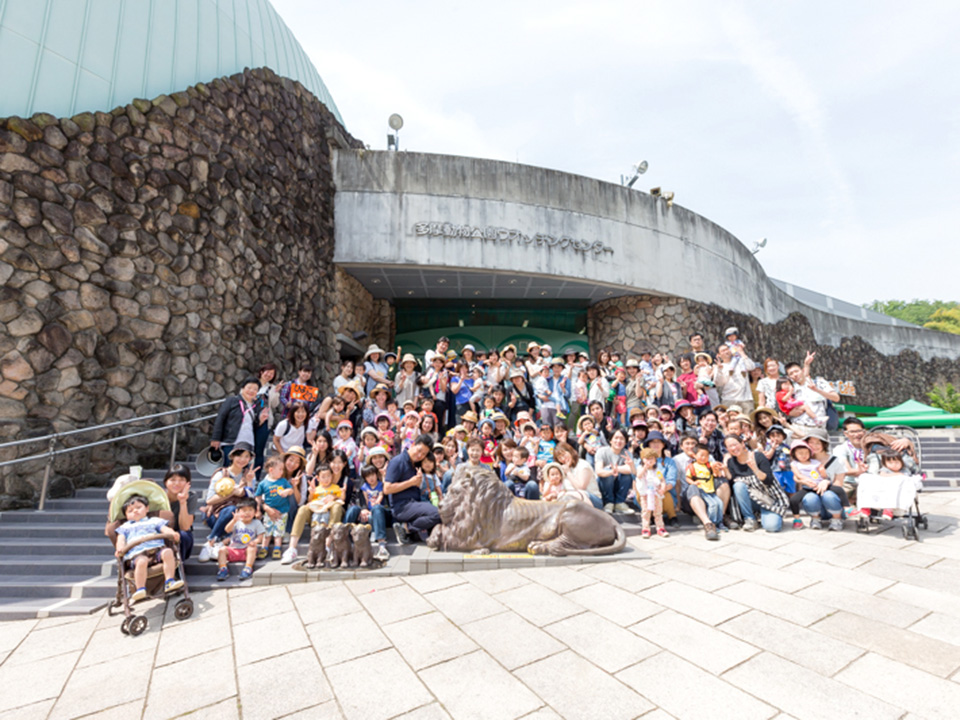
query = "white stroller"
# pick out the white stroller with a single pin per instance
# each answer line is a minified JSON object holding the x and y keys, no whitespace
{"x":891,"y":492}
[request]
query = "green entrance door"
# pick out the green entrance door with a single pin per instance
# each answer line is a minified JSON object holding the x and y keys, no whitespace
{"x":488,"y":336}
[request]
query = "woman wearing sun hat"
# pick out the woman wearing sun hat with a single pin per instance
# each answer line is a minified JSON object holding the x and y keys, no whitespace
{"x":375,"y":368}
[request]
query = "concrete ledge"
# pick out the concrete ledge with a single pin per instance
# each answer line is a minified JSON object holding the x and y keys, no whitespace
{"x":424,"y":561}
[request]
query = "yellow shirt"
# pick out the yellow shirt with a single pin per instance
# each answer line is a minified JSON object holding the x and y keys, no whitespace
{"x":702,"y":476}
{"x":320,"y":492}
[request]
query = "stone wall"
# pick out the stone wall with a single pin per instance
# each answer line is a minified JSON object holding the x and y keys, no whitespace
{"x":665,"y":323}
{"x":356,"y":310}
{"x":153,"y":256}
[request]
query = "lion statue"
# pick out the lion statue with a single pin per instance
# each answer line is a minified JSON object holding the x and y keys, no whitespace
{"x":479,"y":514}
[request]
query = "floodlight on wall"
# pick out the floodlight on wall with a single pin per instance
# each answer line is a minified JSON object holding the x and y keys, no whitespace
{"x":655,"y":192}
{"x":393,"y":140}
{"x":668,"y":196}
{"x":762,"y":243}
{"x":639,"y":169}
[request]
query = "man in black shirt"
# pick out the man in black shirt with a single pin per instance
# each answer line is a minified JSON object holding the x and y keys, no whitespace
{"x":402,"y":484}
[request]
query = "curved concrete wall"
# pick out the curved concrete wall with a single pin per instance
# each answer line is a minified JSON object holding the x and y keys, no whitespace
{"x":384,"y":198}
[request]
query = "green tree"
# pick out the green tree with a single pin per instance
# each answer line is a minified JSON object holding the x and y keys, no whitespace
{"x":946,"y":397}
{"x":918,"y":312}
{"x":945,"y":320}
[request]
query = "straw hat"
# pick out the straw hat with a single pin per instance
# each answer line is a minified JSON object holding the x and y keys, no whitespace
{"x":352,"y":385}
{"x":408,"y":357}
{"x":373,"y":349}
{"x":380,"y":387}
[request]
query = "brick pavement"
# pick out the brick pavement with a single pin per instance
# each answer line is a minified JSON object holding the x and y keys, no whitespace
{"x":801,"y":624}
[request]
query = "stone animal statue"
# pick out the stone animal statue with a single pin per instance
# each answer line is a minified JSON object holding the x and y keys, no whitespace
{"x":317,"y":554}
{"x":479,"y":514}
{"x":362,"y":551}
{"x":339,"y":555}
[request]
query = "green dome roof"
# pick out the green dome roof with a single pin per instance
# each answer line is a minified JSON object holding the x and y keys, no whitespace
{"x":68,"y":56}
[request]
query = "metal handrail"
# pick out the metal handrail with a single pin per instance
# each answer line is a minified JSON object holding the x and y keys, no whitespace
{"x":107,"y":441}
{"x":129,"y":421}
{"x":52,"y":440}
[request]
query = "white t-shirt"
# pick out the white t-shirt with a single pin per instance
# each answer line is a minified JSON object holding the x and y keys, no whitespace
{"x":289,"y":435}
{"x":816,"y":401}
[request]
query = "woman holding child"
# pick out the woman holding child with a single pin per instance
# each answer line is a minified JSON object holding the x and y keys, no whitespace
{"x":579,"y":479}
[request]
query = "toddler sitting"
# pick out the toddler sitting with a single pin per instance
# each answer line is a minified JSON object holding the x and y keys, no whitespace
{"x":138,"y":525}
{"x":243,"y":534}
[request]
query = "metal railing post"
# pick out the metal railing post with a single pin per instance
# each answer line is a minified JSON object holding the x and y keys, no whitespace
{"x":46,"y":473}
{"x":173,"y":443}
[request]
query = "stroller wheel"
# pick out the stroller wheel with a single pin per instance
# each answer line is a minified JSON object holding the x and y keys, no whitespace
{"x":125,"y":626}
{"x":183,"y":610}
{"x":906,"y":532}
{"x":924,"y":522}
{"x":137,"y":625}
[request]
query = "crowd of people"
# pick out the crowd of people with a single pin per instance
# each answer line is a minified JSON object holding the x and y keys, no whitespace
{"x":734,"y":443}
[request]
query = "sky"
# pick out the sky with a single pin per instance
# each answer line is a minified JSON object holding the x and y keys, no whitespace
{"x":830,"y":128}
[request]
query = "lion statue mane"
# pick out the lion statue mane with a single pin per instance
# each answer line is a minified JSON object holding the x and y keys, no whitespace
{"x":479,"y":514}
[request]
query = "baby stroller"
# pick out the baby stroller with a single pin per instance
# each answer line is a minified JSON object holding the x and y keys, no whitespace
{"x":899,"y":493}
{"x":135,"y":624}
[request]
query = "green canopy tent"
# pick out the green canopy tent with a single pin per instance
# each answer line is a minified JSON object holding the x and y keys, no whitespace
{"x":913,"y":414}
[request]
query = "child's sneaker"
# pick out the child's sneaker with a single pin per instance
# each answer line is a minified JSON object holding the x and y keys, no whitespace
{"x":262,"y":553}
{"x":277,"y":554}
{"x":140,"y":594}
{"x":816,"y":523}
{"x":888,"y":514}
{"x":223,"y":573}
{"x":289,"y":555}
{"x":172,"y":585}
{"x":662,"y":532}
{"x":645,"y":533}
{"x":797,"y":524}
{"x":206,"y":553}
{"x":246,"y":572}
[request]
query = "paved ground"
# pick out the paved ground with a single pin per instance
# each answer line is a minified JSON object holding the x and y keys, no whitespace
{"x":802,"y":624}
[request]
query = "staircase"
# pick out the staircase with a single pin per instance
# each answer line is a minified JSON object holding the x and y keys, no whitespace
{"x":58,"y":562}
{"x":940,"y":450}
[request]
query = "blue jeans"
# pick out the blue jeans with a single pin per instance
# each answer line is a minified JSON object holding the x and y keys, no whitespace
{"x":595,"y":501}
{"x":218,"y":524}
{"x":770,"y":521}
{"x":186,"y":544}
{"x":615,"y":488}
{"x":420,"y":516}
{"x":531,"y":491}
{"x":827,"y":505}
{"x":378,"y":518}
{"x":447,"y":479}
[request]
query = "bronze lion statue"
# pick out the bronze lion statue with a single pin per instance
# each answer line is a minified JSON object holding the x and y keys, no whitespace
{"x":479,"y":514}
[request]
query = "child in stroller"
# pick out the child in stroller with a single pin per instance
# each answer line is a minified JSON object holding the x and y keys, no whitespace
{"x":138,"y":526}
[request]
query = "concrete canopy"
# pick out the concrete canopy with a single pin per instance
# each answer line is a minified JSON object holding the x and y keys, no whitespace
{"x":391,"y":282}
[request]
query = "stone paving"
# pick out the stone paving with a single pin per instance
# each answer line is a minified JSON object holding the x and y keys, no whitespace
{"x":801,"y":624}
